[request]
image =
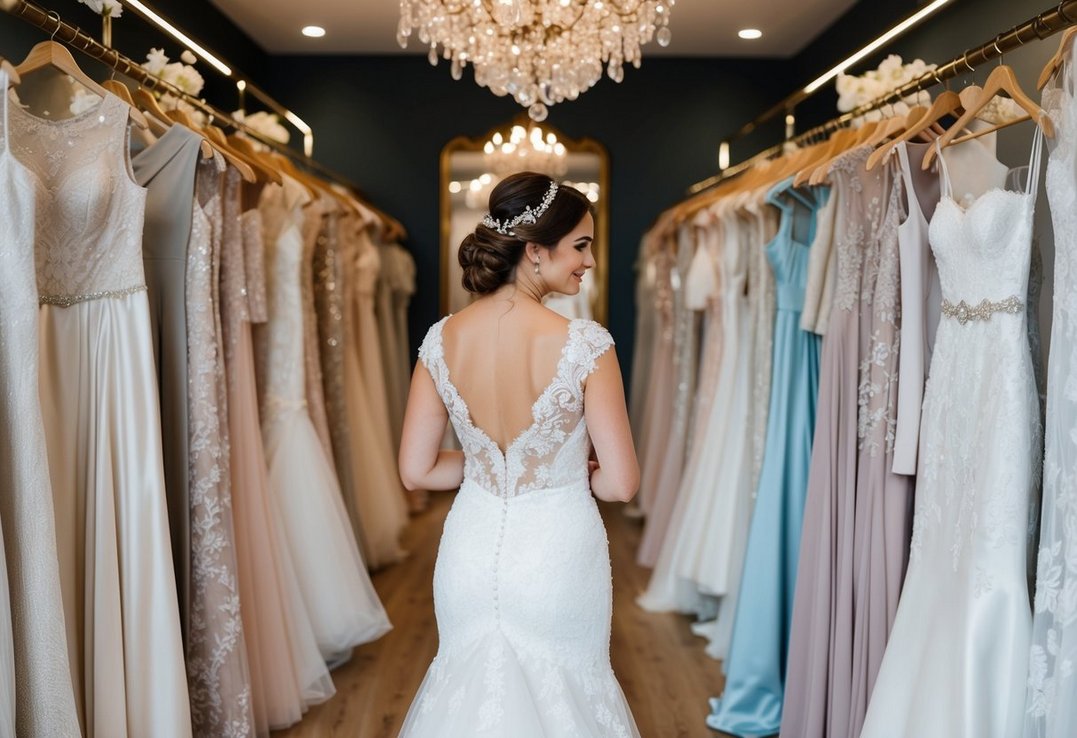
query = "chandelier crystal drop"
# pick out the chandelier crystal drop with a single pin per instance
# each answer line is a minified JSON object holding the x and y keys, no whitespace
{"x":525,"y":149}
{"x":540,"y":52}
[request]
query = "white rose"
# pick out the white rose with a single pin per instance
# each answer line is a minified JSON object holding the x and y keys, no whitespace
{"x":187,"y":57}
{"x":110,"y":8}
{"x":82,"y":100}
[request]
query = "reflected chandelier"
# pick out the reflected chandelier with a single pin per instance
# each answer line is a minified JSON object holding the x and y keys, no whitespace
{"x":540,"y":52}
{"x":524,"y":150}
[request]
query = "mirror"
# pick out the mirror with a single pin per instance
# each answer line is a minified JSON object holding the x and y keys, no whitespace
{"x":471,"y":167}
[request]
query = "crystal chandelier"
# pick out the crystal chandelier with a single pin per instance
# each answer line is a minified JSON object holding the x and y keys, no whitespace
{"x":523,"y":149}
{"x":540,"y":52}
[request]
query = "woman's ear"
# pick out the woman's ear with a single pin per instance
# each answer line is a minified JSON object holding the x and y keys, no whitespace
{"x":533,"y":252}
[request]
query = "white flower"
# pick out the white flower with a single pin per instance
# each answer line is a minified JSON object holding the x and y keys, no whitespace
{"x":156,"y":61}
{"x":184,"y":77}
{"x":82,"y":100}
{"x":187,"y":57}
{"x":267,"y":124}
{"x":111,"y":8}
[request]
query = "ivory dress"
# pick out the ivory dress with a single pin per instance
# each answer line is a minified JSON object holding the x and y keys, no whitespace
{"x":957,"y":659}
{"x":44,"y":702}
{"x":340,"y":600}
{"x":1050,"y":708}
{"x":522,"y":588}
{"x":102,"y":425}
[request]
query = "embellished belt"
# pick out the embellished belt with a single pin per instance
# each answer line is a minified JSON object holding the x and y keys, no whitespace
{"x":69,"y":300}
{"x":965,"y":312}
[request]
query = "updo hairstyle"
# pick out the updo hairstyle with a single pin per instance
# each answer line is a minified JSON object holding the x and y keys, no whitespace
{"x":488,"y":258}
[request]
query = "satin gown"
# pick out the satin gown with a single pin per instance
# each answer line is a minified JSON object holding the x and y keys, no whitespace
{"x":752,"y":701}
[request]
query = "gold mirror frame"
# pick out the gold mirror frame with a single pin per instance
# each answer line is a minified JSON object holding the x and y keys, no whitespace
{"x":602,"y":225}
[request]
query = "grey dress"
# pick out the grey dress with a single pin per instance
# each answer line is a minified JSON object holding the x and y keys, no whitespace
{"x":167,"y":170}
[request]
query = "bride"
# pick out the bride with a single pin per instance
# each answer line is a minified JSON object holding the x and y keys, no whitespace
{"x":522,"y":588}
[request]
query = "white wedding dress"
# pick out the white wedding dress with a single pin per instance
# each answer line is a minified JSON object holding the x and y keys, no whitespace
{"x":522,"y":588}
{"x":957,"y":657}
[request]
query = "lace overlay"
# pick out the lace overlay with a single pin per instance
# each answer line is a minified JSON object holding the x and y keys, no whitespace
{"x":553,"y":451}
{"x":1051,"y":711}
{"x":963,"y":621}
{"x":102,"y":208}
{"x":216,"y":653}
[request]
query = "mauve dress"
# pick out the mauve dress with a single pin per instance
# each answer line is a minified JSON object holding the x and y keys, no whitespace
{"x":819,"y":659}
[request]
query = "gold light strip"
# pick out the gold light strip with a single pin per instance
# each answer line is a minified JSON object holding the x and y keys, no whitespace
{"x":179,"y":35}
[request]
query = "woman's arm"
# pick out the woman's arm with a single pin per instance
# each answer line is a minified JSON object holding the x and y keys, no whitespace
{"x":423,"y":465}
{"x":616,"y":478}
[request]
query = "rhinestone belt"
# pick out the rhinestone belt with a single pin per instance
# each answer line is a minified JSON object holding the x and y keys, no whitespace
{"x":965,"y":312}
{"x":69,"y":300}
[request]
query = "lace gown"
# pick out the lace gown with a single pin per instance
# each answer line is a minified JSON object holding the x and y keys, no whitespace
{"x":339,"y":598}
{"x":957,"y":658}
{"x":102,"y":425}
{"x":1051,"y":709}
{"x":522,"y":588}
{"x":44,"y":700}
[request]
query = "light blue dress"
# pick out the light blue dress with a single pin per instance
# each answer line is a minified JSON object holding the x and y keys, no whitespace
{"x":755,"y":670}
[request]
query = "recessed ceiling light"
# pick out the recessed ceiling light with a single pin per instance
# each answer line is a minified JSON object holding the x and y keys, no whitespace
{"x":313,"y":31}
{"x":750,"y":33}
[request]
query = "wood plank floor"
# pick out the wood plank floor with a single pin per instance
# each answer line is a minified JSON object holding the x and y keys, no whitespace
{"x":661,"y":666}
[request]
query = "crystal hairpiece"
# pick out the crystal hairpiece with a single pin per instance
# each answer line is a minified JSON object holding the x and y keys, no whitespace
{"x":528,"y":216}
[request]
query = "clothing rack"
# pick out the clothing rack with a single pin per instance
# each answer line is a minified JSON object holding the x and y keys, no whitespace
{"x":1042,"y":26}
{"x":51,"y":23}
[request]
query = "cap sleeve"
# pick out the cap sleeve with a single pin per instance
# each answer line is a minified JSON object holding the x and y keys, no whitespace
{"x":587,"y":342}
{"x":430,"y":348}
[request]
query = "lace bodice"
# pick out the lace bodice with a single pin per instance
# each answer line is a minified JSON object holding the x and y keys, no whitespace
{"x":90,"y":210}
{"x":553,"y":450}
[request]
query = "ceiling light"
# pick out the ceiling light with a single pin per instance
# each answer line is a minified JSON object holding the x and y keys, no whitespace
{"x":177,"y":34}
{"x":313,"y":31}
{"x":539,"y":53}
{"x":750,"y":33}
{"x":894,"y":32}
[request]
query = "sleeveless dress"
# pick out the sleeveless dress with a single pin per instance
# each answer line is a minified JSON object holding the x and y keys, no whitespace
{"x":44,"y":700}
{"x":99,"y":403}
{"x":522,"y":588}
{"x":755,"y":671}
{"x":1051,"y":711}
{"x":339,"y":598}
{"x":956,"y":662}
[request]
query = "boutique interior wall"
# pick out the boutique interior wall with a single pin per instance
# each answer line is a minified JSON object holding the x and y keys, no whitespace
{"x":382,"y":120}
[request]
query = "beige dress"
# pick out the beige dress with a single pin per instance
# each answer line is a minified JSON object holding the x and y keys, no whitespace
{"x":287,"y":671}
{"x":102,"y":425}
{"x":217,"y":669}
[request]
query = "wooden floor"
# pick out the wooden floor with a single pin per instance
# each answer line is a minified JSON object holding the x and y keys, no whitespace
{"x":660,"y":664}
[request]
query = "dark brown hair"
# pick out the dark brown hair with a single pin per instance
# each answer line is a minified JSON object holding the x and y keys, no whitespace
{"x":488,"y":258}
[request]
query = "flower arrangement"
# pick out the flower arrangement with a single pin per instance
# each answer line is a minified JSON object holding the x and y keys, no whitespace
{"x":106,"y":8}
{"x":181,"y":74}
{"x":854,"y":91}
{"x":267,"y":124}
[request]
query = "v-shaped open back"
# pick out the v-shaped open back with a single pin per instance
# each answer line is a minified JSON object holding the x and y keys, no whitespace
{"x":550,"y":452}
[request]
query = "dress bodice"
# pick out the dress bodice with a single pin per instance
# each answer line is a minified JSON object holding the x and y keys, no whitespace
{"x":90,"y":210}
{"x":982,"y":249}
{"x":553,"y":450}
{"x":787,"y":252}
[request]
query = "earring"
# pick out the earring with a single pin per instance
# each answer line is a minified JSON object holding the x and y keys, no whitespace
{"x":536,"y":267}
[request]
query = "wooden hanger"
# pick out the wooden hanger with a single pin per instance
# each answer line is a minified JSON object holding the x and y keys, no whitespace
{"x":947,"y":103}
{"x":10,"y":71}
{"x":148,"y":104}
{"x":1056,"y":61}
{"x":245,"y":170}
{"x":248,"y":149}
{"x":261,"y":171}
{"x":1001,"y":79}
{"x":52,"y":54}
{"x":841,"y":142}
